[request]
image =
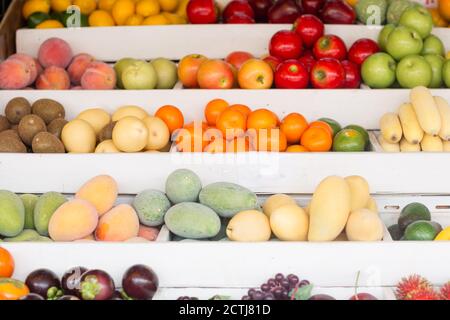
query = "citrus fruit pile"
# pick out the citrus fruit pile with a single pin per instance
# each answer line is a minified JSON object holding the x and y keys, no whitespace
{"x":44,"y":14}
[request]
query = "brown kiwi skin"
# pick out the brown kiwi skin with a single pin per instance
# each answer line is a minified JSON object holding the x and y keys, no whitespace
{"x":48,"y":110}
{"x":106,"y":132}
{"x":11,"y":144}
{"x":10,"y":133}
{"x":45,"y":142}
{"x":4,"y":123}
{"x":29,"y":126}
{"x":16,"y":109}
{"x":55,"y":127}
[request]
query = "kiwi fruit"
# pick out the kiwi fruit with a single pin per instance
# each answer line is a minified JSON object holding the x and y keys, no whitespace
{"x":48,"y":110}
{"x":16,"y":109}
{"x":4,"y":123}
{"x":45,"y":142}
{"x":10,"y":133}
{"x":106,"y":132}
{"x":11,"y":144}
{"x":55,"y":127}
{"x":29,"y":126}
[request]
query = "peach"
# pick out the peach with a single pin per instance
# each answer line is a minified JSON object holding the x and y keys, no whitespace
{"x":148,"y":233}
{"x":101,"y":191}
{"x":55,"y":52}
{"x":119,"y":224}
{"x":98,"y":76}
{"x":78,"y":66}
{"x":31,"y":63}
{"x":53,"y":78}
{"x":76,"y":88}
{"x":74,"y":220}
{"x":14,"y":74}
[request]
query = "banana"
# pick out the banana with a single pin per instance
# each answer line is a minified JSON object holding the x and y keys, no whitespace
{"x":405,"y":146}
{"x":390,"y":127}
{"x":444,"y":111}
{"x":431,"y":144}
{"x":387,"y":146}
{"x":426,"y":110}
{"x":412,"y":131}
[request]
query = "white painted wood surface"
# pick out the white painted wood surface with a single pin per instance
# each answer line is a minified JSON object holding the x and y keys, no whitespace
{"x":174,"y":42}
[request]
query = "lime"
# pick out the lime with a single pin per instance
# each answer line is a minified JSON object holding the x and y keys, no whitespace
{"x":420,"y":231}
{"x":37,"y":18}
{"x":413,"y":212}
{"x":360,"y":130}
{"x":348,"y":140}
{"x":333,"y":124}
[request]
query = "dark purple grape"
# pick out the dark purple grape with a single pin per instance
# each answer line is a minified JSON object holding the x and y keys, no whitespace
{"x":285,"y":284}
{"x":251,"y":293}
{"x":303,"y":283}
{"x":246,"y":298}
{"x":293,"y":279}
{"x":265,"y":287}
{"x":272,"y":283}
{"x":258,"y":295}
{"x":279,"y":277}
{"x":277,"y":292}
{"x":284,"y":296}
{"x":269,"y":296}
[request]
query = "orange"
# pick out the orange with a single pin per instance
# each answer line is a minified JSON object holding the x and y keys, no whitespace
{"x":444,"y":9}
{"x":6,"y":264}
{"x":262,"y":119}
{"x":269,"y":140}
{"x":101,"y":18}
{"x":11,"y":289}
{"x":216,"y":146}
{"x":231,"y":123}
{"x":296,"y":148}
{"x":239,"y":144}
{"x":172,"y":116}
{"x":438,"y":20}
{"x":241,"y":108}
{"x":322,"y":124}
{"x":317,"y":138}
{"x":293,"y":126}
{"x":191,"y":138}
{"x":213,"y":109}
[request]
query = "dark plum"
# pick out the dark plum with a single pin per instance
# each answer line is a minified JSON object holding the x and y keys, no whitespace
{"x":70,"y":281}
{"x":45,"y":283}
{"x":96,"y":285}
{"x":140,"y":282}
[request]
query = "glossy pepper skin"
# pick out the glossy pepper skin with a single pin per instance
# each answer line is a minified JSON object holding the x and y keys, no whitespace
{"x":327,"y":73}
{"x":202,"y":12}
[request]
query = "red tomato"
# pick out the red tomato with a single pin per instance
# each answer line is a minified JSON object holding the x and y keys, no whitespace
{"x":361,"y":49}
{"x":352,"y":76}
{"x":310,"y":29}
{"x":330,"y":46}
{"x":291,"y":74}
{"x":202,"y":11}
{"x":286,"y":44}
{"x":327,"y":73}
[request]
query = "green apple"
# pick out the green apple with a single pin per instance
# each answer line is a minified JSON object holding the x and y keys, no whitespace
{"x":378,"y":70}
{"x":419,"y":19}
{"x":119,"y":66}
{"x":446,"y":73}
{"x":383,"y":36}
{"x":402,"y":42}
{"x":139,"y":75}
{"x":436,"y":62}
{"x":413,"y":71}
{"x":166,"y":71}
{"x":433,"y":45}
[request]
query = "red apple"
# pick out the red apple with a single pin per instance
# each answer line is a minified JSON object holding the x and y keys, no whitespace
{"x":352,"y":76}
{"x":310,"y":29}
{"x":215,"y":74}
{"x":202,"y":11}
{"x":361,"y":49}
{"x":261,"y":9}
{"x":273,"y":62}
{"x":284,"y":11}
{"x":312,"y":6}
{"x":291,"y":74}
{"x":308,"y":61}
{"x":237,"y":7}
{"x":363,"y":296}
{"x":337,"y":12}
{"x":327,"y":73}
{"x":237,"y":58}
{"x":286,"y":44}
{"x":330,"y":46}
{"x":240,"y":18}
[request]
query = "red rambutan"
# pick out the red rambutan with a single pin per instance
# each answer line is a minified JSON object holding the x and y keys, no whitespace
{"x":423,"y":294}
{"x":445,"y":291}
{"x":412,"y":285}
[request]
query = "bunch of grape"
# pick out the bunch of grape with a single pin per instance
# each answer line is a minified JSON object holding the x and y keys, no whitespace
{"x":277,"y":288}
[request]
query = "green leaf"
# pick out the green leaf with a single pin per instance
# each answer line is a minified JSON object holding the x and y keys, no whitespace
{"x":301,"y":293}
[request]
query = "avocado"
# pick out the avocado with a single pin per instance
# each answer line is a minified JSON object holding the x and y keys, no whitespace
{"x":420,"y":231}
{"x":413,"y":212}
{"x":395,"y":232}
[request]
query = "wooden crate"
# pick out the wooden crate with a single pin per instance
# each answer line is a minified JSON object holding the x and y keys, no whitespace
{"x":12,"y":20}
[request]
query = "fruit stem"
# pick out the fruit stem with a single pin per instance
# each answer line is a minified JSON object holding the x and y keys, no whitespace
{"x":90,"y":288}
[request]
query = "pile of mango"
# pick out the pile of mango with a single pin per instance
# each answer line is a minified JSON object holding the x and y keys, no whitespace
{"x":46,"y":14}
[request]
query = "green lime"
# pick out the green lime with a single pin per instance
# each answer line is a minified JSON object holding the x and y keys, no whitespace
{"x":348,"y":140}
{"x":37,"y":18}
{"x":333,"y":124}
{"x":360,"y":130}
{"x":413,"y":212}
{"x":420,"y":231}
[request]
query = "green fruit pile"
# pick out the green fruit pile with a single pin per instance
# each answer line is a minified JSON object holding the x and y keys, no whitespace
{"x":352,"y":138}
{"x":411,"y":56}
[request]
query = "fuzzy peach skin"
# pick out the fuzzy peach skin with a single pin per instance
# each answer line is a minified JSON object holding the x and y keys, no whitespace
{"x":119,"y":224}
{"x":78,"y":66}
{"x":55,"y":52}
{"x":14,"y":74}
{"x":101,"y":191}
{"x":98,"y":76}
{"x":31,"y":63}
{"x":53,"y":78}
{"x":74,"y":220}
